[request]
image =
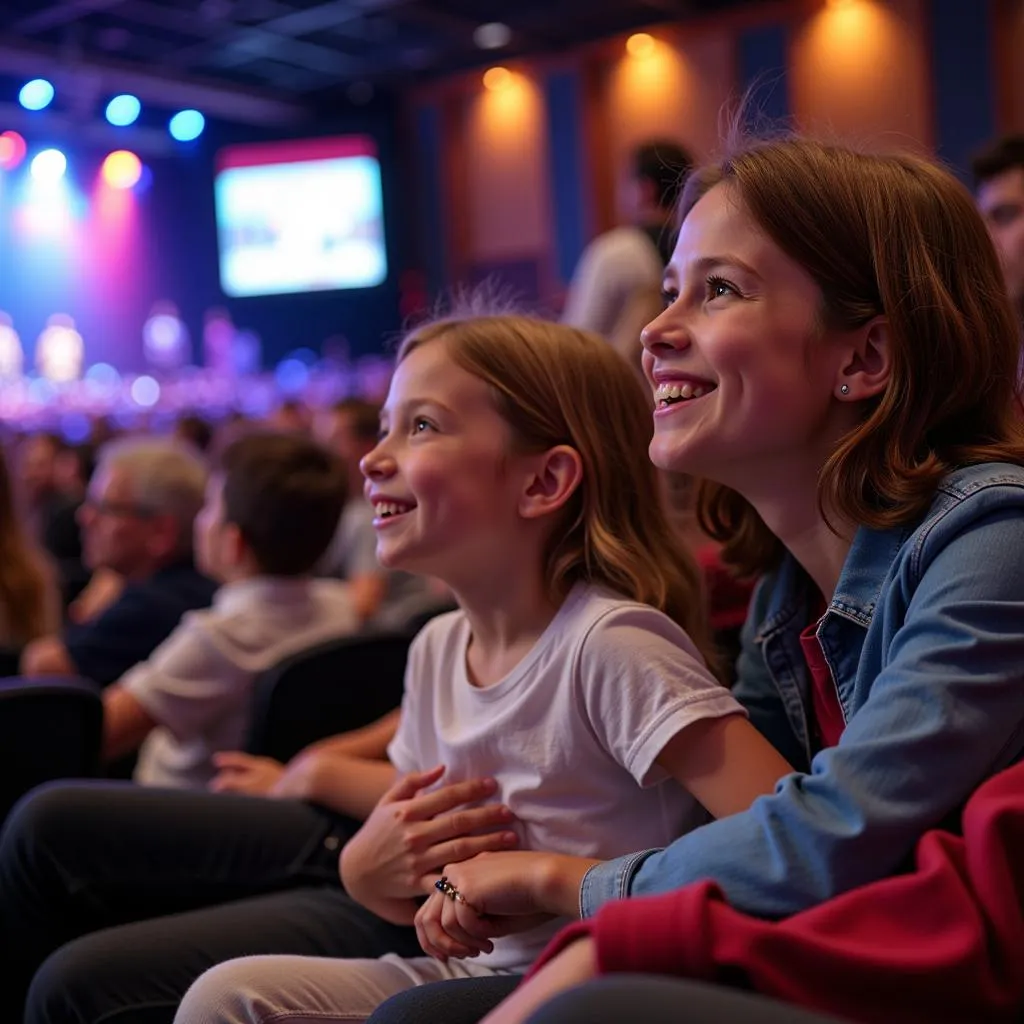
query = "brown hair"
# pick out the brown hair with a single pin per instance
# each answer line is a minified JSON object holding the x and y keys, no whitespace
{"x":556,"y":385}
{"x":24,"y":581}
{"x":893,"y":236}
{"x":285,"y":494}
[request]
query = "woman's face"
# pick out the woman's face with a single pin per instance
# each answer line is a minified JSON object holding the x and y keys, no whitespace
{"x":745,"y":380}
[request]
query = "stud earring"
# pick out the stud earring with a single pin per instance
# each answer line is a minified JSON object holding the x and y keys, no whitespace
{"x":845,"y":389}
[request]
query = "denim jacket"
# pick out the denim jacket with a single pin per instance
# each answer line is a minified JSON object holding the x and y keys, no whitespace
{"x":925,"y":640}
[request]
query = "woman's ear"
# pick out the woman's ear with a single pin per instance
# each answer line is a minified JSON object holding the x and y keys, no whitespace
{"x":866,"y":370}
{"x":551,"y":481}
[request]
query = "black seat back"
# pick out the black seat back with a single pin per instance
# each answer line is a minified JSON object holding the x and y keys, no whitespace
{"x":329,"y":689}
{"x":49,"y":729}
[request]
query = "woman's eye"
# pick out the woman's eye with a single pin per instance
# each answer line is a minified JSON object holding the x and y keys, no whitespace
{"x":668,"y":297}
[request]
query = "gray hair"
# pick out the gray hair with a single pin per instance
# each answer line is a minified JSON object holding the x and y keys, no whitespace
{"x":167,"y":478}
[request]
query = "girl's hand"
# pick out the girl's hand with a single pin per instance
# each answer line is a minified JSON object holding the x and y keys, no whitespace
{"x":573,"y":966}
{"x":243,"y":773}
{"x":503,"y":893}
{"x":398,"y":853}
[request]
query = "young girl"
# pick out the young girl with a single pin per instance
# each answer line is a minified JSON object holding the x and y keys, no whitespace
{"x":512,"y":467}
{"x":839,"y":356}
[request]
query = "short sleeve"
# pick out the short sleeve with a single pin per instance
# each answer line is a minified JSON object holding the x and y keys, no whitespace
{"x":642,"y":683}
{"x":186,"y":684}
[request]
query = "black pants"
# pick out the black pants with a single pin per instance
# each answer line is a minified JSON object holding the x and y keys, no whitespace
{"x":114,"y":898}
{"x":618,"y":999}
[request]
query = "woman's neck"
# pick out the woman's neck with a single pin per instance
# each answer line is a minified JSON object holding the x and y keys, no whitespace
{"x":794,"y":517}
{"x":507,"y":614}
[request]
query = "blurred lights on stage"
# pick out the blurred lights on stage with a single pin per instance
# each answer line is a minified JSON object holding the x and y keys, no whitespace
{"x":497,"y":78}
{"x":291,"y":375}
{"x":12,"y":150}
{"x":36,"y":95}
{"x":145,"y":391}
{"x":12,"y":356}
{"x":49,"y":165}
{"x":165,"y":339}
{"x":121,"y":169}
{"x":186,"y":125}
{"x":123,"y":110}
{"x":641,"y":44}
{"x":60,"y":350}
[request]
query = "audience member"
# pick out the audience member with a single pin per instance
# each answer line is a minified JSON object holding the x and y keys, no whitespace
{"x":271,"y":506}
{"x":566,"y":674}
{"x":29,"y":601}
{"x":840,"y":362}
{"x":137,"y":523}
{"x":291,"y":416}
{"x":623,"y":267}
{"x":999,"y":174}
{"x":194,"y":430}
{"x":384,"y":597}
{"x":51,"y":511}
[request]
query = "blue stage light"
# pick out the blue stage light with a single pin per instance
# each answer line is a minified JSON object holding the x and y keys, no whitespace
{"x":36,"y":94}
{"x":123,"y":110}
{"x":186,"y":125}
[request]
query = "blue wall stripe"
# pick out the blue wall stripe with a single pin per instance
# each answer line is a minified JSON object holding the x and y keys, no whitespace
{"x":430,"y":199}
{"x":962,"y":47}
{"x":762,"y":56}
{"x":568,"y":189}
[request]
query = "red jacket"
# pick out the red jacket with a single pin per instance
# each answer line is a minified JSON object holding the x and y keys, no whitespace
{"x":944,"y":943}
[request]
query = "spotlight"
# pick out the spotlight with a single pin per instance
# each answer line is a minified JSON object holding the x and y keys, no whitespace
{"x":145,"y":391}
{"x":49,"y":165}
{"x":12,"y":150}
{"x":492,"y":36}
{"x":36,"y":95}
{"x":186,"y":125}
{"x":640,"y":45}
{"x":121,"y":169}
{"x":497,"y":78}
{"x":123,"y":110}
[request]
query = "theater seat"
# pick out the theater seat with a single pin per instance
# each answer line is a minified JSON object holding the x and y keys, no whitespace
{"x":50,"y":728}
{"x":329,"y":689}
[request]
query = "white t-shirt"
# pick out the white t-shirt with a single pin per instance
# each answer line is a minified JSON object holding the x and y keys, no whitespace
{"x":612,"y":269}
{"x":198,"y":683}
{"x":571,"y":734}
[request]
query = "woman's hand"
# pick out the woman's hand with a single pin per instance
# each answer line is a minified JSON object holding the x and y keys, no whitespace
{"x":573,"y":966}
{"x":398,"y":853}
{"x":502,"y":893}
{"x":244,"y":773}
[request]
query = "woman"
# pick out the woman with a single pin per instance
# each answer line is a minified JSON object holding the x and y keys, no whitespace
{"x":837,"y":357}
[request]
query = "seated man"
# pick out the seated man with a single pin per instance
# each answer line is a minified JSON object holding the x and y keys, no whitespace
{"x":272,"y":504}
{"x":137,"y":523}
{"x":384,"y":597}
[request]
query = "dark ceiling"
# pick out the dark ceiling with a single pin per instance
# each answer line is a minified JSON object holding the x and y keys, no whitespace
{"x":275,"y":61}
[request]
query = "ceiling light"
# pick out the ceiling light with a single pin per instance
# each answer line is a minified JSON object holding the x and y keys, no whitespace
{"x":492,"y":36}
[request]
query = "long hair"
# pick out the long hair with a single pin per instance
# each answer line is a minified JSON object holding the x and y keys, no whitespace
{"x":24,"y":582}
{"x":899,"y":237}
{"x":556,"y":385}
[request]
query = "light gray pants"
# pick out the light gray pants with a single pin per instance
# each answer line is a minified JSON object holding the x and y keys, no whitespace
{"x":298,"y":989}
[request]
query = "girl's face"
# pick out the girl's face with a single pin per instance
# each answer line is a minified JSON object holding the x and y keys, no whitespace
{"x":442,"y":478}
{"x":743,"y":375}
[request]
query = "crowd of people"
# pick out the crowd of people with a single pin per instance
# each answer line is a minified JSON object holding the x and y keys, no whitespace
{"x":585,"y":809}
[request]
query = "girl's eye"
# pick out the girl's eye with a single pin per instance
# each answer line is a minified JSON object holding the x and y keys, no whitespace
{"x":668,"y":297}
{"x":421,"y":425}
{"x":718,"y":286}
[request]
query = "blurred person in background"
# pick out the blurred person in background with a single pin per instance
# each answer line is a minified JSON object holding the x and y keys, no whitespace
{"x":29,"y":600}
{"x":137,"y":523}
{"x":194,"y":430}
